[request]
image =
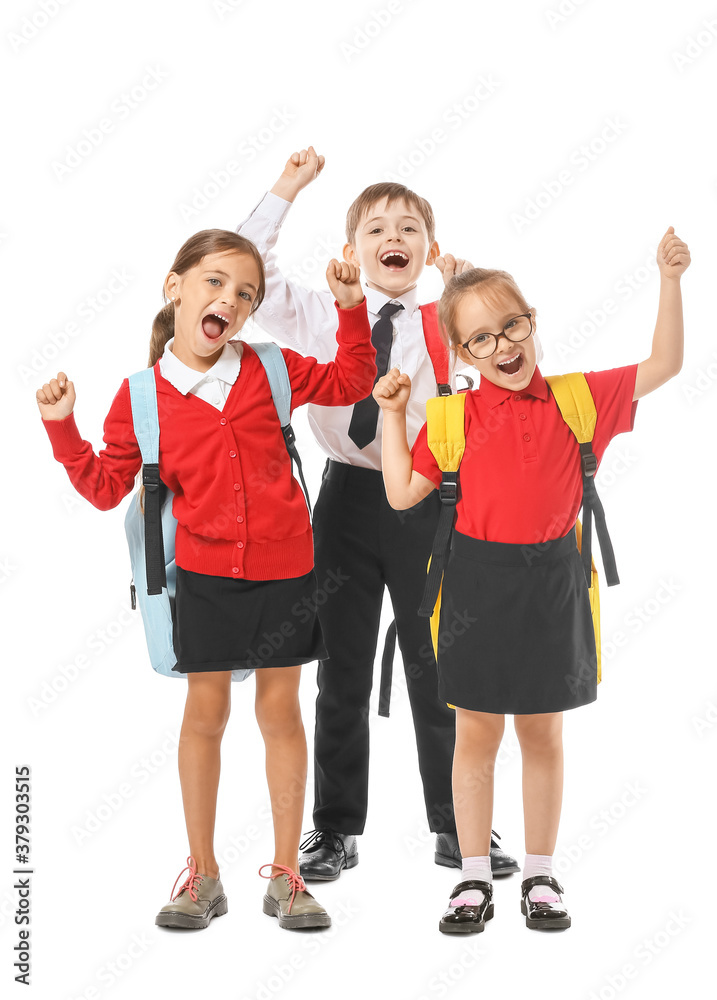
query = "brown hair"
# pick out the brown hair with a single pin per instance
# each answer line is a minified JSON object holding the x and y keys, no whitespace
{"x":190,"y":254}
{"x":493,"y":286}
{"x":392,"y":192}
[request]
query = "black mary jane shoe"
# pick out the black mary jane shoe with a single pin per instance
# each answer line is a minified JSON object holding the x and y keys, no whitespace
{"x":326,"y":854}
{"x":466,"y":919}
{"x":448,"y":854}
{"x":543,"y":916}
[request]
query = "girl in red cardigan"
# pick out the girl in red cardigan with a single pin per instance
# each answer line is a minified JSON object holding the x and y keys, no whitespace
{"x":246,"y":588}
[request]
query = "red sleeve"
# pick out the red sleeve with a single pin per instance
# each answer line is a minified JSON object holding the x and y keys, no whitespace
{"x":345,"y":380}
{"x":612,"y":391}
{"x":423,"y":459}
{"x":106,"y":478}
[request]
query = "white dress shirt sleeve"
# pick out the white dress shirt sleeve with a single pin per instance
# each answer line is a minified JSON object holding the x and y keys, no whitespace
{"x":302,"y":318}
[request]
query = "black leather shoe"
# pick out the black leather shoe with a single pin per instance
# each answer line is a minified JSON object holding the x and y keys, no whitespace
{"x":326,"y":854}
{"x":467,"y":919}
{"x":448,"y":854}
{"x":543,"y":916}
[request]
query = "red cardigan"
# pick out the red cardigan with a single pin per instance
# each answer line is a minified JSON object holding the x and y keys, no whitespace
{"x":240,"y":512}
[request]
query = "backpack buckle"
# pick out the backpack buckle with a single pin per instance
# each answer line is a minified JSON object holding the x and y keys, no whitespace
{"x":589,"y":464}
{"x":150,"y":477}
{"x":289,"y":435}
{"x":443,"y":390}
{"x":448,"y":493}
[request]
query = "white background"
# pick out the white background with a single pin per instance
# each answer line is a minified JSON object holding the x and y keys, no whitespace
{"x":515,"y":90}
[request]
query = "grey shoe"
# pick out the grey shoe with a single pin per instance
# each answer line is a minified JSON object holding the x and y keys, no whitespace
{"x":199,"y":899}
{"x":287,"y":898}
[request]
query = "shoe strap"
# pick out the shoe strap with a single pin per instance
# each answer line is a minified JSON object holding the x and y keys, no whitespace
{"x":534,"y":880}
{"x":473,"y":883}
{"x":191,"y":883}
{"x":296,"y":882}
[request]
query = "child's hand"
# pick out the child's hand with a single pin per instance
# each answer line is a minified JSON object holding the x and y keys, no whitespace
{"x":673,"y":255}
{"x":301,"y":169}
{"x":56,"y":399}
{"x":450,"y":265}
{"x":392,"y":392}
{"x":345,"y":282}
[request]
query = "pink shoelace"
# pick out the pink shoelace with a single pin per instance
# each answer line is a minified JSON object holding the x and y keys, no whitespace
{"x":296,"y":882}
{"x":191,"y":883}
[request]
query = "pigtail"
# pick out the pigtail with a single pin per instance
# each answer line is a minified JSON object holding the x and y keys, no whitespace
{"x":162,"y":331}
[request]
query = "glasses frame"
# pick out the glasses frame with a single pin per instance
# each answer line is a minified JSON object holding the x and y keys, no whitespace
{"x":497,"y":336}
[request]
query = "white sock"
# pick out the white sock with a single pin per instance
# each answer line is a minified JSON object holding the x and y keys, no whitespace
{"x":540,"y":864}
{"x":473,"y":868}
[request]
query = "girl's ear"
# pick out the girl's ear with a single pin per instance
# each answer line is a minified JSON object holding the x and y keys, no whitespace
{"x":172,"y":285}
{"x":465,"y":356}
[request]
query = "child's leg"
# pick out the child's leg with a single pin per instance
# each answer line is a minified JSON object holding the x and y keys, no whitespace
{"x":279,"y":716}
{"x":541,"y":744}
{"x":478,"y":736}
{"x":205,"y":717}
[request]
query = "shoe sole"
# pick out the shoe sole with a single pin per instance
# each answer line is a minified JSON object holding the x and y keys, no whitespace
{"x":466,"y":926}
{"x":186,"y":921}
{"x":289,"y":921}
{"x":447,"y":862}
{"x":350,"y":863}
{"x":544,"y":923}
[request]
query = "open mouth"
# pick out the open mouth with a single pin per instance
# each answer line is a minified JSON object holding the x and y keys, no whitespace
{"x":511,"y":366}
{"x":214,"y":325}
{"x":394,"y":260}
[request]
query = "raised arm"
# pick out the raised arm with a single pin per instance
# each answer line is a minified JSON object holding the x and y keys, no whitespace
{"x":404,"y":487}
{"x":302,"y":318}
{"x":665,"y":361}
{"x":102,"y":479}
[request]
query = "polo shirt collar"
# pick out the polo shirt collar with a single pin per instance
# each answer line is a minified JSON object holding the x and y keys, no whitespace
{"x":375,"y":300}
{"x":494,"y":394}
{"x":184,"y":378}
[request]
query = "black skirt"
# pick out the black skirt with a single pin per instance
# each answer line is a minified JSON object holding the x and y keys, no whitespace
{"x":221,"y":623}
{"x":515,"y":633}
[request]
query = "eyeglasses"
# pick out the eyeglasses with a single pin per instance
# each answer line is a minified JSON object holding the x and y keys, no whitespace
{"x":516,"y":329}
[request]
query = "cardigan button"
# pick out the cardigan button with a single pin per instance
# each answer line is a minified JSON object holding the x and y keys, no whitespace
{"x":232,"y":454}
{"x":526,"y":437}
{"x":522,"y":416}
{"x":517,"y":396}
{"x":237,"y":486}
{"x":223,"y":421}
{"x":235,"y":569}
{"x":240,"y":518}
{"x":240,"y":545}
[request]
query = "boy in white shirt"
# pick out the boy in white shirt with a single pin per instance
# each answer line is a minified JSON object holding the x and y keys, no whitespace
{"x":391,"y":234}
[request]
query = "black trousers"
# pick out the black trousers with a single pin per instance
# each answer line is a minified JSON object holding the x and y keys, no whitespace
{"x":360,"y":545}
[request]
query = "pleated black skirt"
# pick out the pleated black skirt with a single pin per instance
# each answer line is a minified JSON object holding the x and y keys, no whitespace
{"x":221,"y":623}
{"x":516,"y":634}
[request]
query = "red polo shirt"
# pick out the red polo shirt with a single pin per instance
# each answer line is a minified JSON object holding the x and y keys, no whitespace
{"x":520,"y":476}
{"x":240,"y":512}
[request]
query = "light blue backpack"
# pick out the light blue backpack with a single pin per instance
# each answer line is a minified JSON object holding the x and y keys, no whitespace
{"x":150,"y":536}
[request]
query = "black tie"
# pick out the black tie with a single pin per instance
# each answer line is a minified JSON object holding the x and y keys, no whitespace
{"x":362,"y":429}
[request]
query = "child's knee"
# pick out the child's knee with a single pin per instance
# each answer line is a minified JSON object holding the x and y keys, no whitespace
{"x":540,"y":734}
{"x":278,"y":717}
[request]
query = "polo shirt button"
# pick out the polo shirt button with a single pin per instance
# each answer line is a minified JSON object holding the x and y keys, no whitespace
{"x":237,"y":486}
{"x":239,"y":518}
{"x":232,"y":454}
{"x":517,"y":396}
{"x":526,"y":437}
{"x":223,"y":421}
{"x":235,"y":569}
{"x":522,"y":416}
{"x":240,"y":545}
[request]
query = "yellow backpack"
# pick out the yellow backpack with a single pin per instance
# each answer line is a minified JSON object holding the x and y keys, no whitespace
{"x":446,"y":439}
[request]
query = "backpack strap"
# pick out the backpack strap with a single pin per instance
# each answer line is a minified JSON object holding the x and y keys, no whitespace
{"x":274,"y":364}
{"x":447,"y":440}
{"x":576,"y":404}
{"x":437,"y":350}
{"x":143,"y":400}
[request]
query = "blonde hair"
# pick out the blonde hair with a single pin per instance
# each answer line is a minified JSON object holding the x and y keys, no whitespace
{"x":492,"y":285}
{"x":370,"y":196}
